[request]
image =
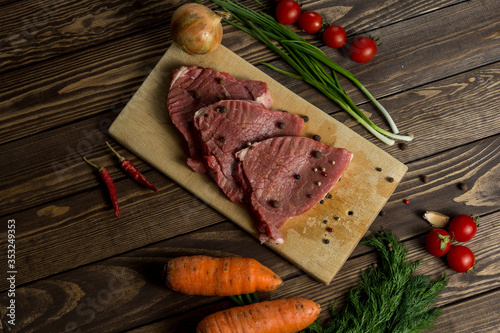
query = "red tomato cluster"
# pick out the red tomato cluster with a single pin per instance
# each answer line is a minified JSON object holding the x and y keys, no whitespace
{"x":462,"y":228}
{"x":362,"y":49}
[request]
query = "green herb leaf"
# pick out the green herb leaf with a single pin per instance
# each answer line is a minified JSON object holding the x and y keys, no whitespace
{"x":389,"y":296}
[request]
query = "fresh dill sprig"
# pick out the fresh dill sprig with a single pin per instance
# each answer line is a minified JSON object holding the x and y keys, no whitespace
{"x":389,"y":297}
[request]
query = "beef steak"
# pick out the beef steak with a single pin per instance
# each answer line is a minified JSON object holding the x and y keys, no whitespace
{"x":195,"y":87}
{"x":286,"y":176}
{"x":226,"y":127}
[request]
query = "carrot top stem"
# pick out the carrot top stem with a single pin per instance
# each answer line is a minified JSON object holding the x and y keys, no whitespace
{"x":99,"y":168}
{"x":248,"y":298}
{"x":237,"y":299}
{"x":120,"y":157}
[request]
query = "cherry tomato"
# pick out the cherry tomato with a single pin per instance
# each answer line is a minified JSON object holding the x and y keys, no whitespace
{"x":334,"y":36}
{"x":462,"y":228}
{"x":460,"y":258}
{"x":287,"y":11}
{"x":363,"y":49}
{"x":310,"y":22}
{"x":438,"y":242}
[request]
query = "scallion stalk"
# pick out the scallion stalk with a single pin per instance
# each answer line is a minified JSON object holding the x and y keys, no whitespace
{"x":308,"y":62}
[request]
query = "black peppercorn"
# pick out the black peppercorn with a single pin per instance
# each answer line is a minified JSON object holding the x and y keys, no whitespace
{"x":197,"y":94}
{"x":306,"y":118}
{"x":297,"y":176}
{"x":317,"y":154}
{"x":316,"y":137}
{"x":403,"y":146}
{"x":281,"y":125}
{"x":221,"y":81}
{"x":276,"y":204}
{"x":326,"y":241}
{"x":390,"y":179}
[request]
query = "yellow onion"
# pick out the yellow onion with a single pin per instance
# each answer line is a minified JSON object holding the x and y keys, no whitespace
{"x":196,"y":29}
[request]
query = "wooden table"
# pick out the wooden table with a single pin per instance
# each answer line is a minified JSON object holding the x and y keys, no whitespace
{"x":68,"y":68}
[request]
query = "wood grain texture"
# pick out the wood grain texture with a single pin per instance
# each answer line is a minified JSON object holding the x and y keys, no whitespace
{"x":53,"y":163}
{"x":480,"y":314}
{"x":68,"y":68}
{"x":90,"y":213}
{"x":78,"y":85}
{"x":7,"y":2}
{"x":34,"y":31}
{"x":132,"y":281}
{"x":81,"y":229}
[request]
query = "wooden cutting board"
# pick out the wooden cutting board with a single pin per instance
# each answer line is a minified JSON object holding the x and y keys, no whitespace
{"x":145,"y":128}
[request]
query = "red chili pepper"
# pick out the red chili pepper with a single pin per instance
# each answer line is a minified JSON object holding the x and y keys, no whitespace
{"x":132,"y":171}
{"x":110,"y":185}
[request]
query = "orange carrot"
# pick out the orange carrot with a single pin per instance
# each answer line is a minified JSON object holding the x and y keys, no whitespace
{"x":278,"y":316}
{"x":204,"y":275}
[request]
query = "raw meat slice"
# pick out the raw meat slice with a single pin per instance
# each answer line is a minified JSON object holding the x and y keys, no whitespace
{"x":286,"y":176}
{"x":226,"y":127}
{"x":195,"y":87}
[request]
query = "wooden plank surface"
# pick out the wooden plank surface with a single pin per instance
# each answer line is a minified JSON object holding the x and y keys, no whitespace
{"x":133,"y":281}
{"x":60,"y":170}
{"x":68,"y":70}
{"x":101,"y":78}
{"x":34,"y":31}
{"x":472,"y":164}
{"x":144,"y":127}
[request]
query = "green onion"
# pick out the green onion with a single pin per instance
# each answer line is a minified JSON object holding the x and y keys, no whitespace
{"x":308,"y":62}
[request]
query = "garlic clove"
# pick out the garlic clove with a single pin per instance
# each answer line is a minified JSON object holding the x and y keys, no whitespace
{"x":436,"y":219}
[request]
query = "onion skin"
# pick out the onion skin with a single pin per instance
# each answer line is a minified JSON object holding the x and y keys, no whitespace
{"x":196,"y":29}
